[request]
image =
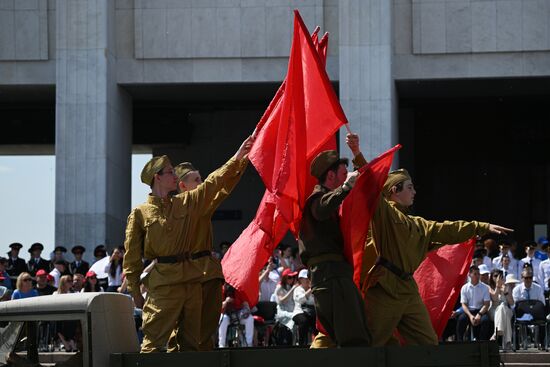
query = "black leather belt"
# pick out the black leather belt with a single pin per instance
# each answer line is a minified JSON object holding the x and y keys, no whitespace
{"x":183,"y":257}
{"x":393,"y":268}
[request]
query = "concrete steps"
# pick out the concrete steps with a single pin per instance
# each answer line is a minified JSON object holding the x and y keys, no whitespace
{"x":526,"y":359}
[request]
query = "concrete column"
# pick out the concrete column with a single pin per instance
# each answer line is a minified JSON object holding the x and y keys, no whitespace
{"x":93,"y":128}
{"x":367,"y":91}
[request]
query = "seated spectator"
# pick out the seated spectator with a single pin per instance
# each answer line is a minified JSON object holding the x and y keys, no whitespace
{"x":42,"y":286}
{"x":530,"y":248}
{"x":304,"y":307}
{"x":269,"y":277}
{"x":508,"y":267}
{"x":287,"y":260}
{"x":60,"y":270}
{"x":501,"y":306}
{"x":234,"y":308}
{"x":114,"y":270}
{"x":475,"y":299}
{"x":24,"y":287}
{"x":65,"y":285}
{"x":6,"y":280}
{"x":484,"y":274}
{"x":544,"y":269}
{"x":528,"y":290}
{"x":78,"y":282}
{"x":505,"y":250}
{"x":91,"y":284}
{"x":480,"y":246}
{"x":284,"y":296}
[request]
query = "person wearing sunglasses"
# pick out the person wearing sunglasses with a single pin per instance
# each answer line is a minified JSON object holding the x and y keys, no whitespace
{"x":528,"y":290}
{"x":24,"y":287}
{"x":91,"y":283}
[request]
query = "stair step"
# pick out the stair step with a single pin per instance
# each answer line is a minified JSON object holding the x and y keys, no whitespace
{"x":533,"y":358}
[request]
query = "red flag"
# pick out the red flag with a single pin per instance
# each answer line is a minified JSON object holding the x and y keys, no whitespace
{"x":299,"y":122}
{"x":359,"y":206}
{"x":440,"y":278}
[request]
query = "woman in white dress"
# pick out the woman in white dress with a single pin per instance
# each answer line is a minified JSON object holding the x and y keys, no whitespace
{"x":501,"y":305}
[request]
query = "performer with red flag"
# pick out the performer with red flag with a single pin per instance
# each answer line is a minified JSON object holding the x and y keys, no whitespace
{"x":402,"y":242}
{"x":338,"y":303}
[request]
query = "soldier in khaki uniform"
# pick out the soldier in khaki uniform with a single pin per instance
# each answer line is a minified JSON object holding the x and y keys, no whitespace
{"x":338,"y":303}
{"x":402,"y":241}
{"x":162,"y":229}
{"x":189,"y":178}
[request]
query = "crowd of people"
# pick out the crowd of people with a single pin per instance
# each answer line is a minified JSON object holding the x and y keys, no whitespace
{"x":499,"y":280}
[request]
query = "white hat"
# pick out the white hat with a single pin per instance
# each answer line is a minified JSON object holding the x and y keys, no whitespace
{"x":302,"y":274}
{"x":511,"y":278}
{"x":483,"y":269}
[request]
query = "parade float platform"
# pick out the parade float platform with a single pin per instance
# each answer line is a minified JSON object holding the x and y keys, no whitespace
{"x":478,"y":354}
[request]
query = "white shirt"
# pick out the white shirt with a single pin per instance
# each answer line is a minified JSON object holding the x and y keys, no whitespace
{"x":520,"y":293}
{"x":117,"y":279}
{"x":56,"y":274}
{"x":536,"y":268}
{"x":512,"y":267}
{"x":545,"y":272}
{"x":474,"y":295}
{"x":300,"y":299}
{"x":267,"y":288}
{"x":487,"y":261}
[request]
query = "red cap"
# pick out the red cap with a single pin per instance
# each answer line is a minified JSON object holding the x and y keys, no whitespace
{"x":91,"y":274}
{"x":289,"y":273}
{"x":41,"y":272}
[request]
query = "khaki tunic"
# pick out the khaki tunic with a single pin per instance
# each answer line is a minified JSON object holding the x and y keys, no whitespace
{"x":169,"y":227}
{"x":405,"y":240}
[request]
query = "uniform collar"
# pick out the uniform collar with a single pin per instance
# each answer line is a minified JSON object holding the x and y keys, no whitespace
{"x":155,"y":200}
{"x":401,"y":208}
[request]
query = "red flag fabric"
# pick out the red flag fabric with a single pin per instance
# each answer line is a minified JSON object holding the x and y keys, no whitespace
{"x":359,"y":206}
{"x":301,"y":120}
{"x":440,"y":278}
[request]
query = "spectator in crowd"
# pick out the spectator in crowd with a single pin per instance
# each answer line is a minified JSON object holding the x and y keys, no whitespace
{"x":78,"y":265}
{"x":91,"y":284}
{"x":78,"y":282}
{"x":15,"y":265}
{"x":530,"y":248}
{"x":24,"y":287}
{"x":505,"y":246}
{"x":65,"y":285}
{"x":114,"y":270}
{"x":528,"y":290}
{"x":284,"y":296}
{"x":501,"y":306}
{"x":60,"y":269}
{"x":36,"y":262}
{"x":475,"y":299}
{"x":269,"y":277}
{"x":480,"y":246}
{"x":541,"y":254}
{"x":59,"y":254}
{"x":42,"y":286}
{"x":304,"y":307}
{"x":490,"y":245}
{"x":100,"y":252}
{"x":6,"y":282}
{"x":507,"y":267}
{"x":287,"y":260}
{"x":66,"y":329}
{"x":235,"y":309}
{"x":545,"y":270}
{"x":484,"y":274}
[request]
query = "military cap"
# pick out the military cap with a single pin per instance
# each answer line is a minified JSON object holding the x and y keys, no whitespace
{"x":99,"y":248}
{"x":60,"y":249}
{"x":78,"y":248}
{"x":183,"y":168}
{"x":395,"y":178}
{"x":154,"y":165}
{"x":36,"y":246}
{"x":16,"y":246}
{"x":323,"y":161}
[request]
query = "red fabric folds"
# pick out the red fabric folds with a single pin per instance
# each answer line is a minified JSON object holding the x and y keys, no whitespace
{"x":359,"y":206}
{"x":301,"y":120}
{"x":440,"y":278}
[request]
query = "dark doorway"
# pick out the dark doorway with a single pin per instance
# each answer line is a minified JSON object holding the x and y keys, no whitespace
{"x":479,"y":149}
